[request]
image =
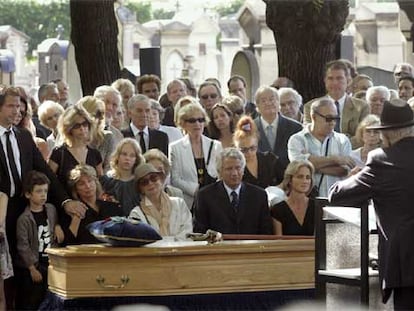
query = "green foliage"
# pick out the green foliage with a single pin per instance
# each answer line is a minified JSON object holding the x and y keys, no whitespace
{"x":142,"y":9}
{"x":161,"y":14}
{"x":229,"y":8}
{"x":37,"y":20}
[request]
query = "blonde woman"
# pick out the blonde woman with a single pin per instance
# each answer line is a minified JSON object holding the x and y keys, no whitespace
{"x":75,"y":127}
{"x":119,"y":184}
{"x":102,"y":140}
{"x":295,"y":215}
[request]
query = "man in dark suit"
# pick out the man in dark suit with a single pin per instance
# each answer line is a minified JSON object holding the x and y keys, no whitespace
{"x":139,"y":110}
{"x":274,"y":129}
{"x":231,"y":206}
{"x":388,"y":180}
{"x":18,"y":156}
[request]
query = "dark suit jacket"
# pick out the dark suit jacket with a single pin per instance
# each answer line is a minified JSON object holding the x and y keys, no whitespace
{"x":251,"y":110}
{"x":286,"y":127}
{"x":157,"y":139}
{"x":388,"y":180}
{"x":213,"y":211}
{"x":31,"y":159}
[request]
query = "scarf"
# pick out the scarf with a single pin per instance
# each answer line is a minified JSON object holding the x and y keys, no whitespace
{"x":162,"y":217}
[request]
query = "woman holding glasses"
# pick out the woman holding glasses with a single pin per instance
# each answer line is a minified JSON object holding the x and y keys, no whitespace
{"x":193,"y":157}
{"x":262,"y":168}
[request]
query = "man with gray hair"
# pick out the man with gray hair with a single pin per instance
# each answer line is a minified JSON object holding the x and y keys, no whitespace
{"x":139,"y":110}
{"x":229,"y":205}
{"x":376,"y":97}
{"x":388,"y":180}
{"x":290,"y":103}
{"x":329,"y":151}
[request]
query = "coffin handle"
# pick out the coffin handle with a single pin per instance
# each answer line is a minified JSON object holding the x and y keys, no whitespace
{"x":101,"y":281}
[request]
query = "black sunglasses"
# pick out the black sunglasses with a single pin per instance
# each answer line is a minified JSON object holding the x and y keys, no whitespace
{"x":194,"y":120}
{"x":206,"y":96}
{"x":329,"y":119}
{"x":151,"y":178}
{"x":79,"y":125}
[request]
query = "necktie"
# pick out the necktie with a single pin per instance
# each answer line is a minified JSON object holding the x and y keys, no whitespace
{"x":270,"y":136}
{"x":12,"y":164}
{"x":234,"y":200}
{"x":338,"y":123}
{"x":142,"y":142}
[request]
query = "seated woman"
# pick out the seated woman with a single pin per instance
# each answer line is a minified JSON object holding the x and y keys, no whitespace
{"x":221,"y":125}
{"x":369,"y":139}
{"x":75,"y":129}
{"x":170,"y":216}
{"x":119,"y":182}
{"x":263,"y":169}
{"x":160,"y":161}
{"x":295,"y":215}
{"x":86,"y":188}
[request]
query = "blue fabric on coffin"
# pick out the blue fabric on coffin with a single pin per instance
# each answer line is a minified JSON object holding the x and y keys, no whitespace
{"x":122,"y":231}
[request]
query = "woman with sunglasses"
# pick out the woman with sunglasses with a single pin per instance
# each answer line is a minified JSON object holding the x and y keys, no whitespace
{"x":170,"y":216}
{"x":221,"y":125}
{"x":193,"y":157}
{"x":102,"y":140}
{"x":209,"y":94}
{"x":75,"y":127}
{"x":262,"y":168}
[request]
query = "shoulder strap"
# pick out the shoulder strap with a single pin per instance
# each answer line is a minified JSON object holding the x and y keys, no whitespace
{"x":209,"y":152}
{"x":326,"y":153}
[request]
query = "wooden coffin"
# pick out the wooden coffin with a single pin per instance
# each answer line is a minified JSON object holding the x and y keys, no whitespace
{"x":181,"y":268}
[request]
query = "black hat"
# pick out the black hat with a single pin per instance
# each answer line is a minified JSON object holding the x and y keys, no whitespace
{"x":396,"y":114}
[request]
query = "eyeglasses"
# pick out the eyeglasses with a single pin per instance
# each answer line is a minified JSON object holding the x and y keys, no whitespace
{"x":247,"y":149}
{"x":194,"y":120}
{"x":77,"y":126}
{"x":329,"y":119}
{"x":151,"y":178}
{"x":206,"y":96}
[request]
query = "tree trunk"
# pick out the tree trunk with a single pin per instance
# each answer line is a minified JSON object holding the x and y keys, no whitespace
{"x":94,"y":36}
{"x":306,"y":34}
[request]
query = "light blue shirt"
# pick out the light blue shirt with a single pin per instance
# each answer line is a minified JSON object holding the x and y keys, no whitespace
{"x":303,"y":144}
{"x":229,"y":191}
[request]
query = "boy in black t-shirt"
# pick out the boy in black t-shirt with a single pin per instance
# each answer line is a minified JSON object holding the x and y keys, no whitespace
{"x":37,"y":230}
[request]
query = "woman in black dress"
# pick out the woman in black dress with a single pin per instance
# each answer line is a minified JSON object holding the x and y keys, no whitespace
{"x":86,"y":188}
{"x":263,"y":169}
{"x":75,"y":129}
{"x":295,"y":215}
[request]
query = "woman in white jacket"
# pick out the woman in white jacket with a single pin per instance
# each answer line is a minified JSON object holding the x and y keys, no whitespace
{"x":193,"y":157}
{"x":170,"y":216}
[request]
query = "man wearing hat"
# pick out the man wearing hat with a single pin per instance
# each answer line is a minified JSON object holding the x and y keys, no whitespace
{"x":388,"y":180}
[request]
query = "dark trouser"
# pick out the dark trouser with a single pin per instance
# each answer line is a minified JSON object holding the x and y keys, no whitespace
{"x":15,"y":208}
{"x":403,"y":298}
{"x":29,"y":295}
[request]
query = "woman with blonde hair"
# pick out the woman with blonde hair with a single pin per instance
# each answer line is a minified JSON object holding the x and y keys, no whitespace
{"x":102,"y":140}
{"x":262,"y":169}
{"x":85,"y":187}
{"x":295,"y":215}
{"x":49,"y":113}
{"x":369,"y":139}
{"x":118,"y":183}
{"x":193,"y":157}
{"x":75,"y":127}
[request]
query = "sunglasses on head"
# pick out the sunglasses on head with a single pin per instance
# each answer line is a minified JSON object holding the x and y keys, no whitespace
{"x":329,"y":119}
{"x":79,"y":125}
{"x":194,"y":120}
{"x":151,"y":178}
{"x":206,"y":96}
